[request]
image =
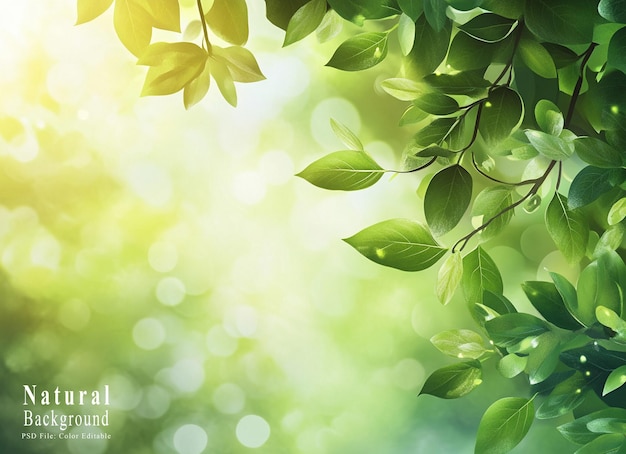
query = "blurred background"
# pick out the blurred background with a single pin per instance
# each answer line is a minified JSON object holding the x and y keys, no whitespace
{"x":174,"y":256}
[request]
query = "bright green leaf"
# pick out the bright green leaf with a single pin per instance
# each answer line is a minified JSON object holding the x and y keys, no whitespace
{"x":343,"y":170}
{"x":88,"y":10}
{"x":567,"y":395}
{"x":360,"y":52}
{"x":550,"y":146}
{"x":491,"y":204}
{"x":435,"y":132}
{"x":347,"y":137}
{"x":617,"y":213}
{"x":398,"y":243}
{"x":598,"y":153}
{"x":549,"y":117}
{"x":449,"y":277}
{"x":505,"y":423}
{"x":616,"y":379}
{"x":510,"y":329}
{"x":447,"y":198}
{"x":589,"y":184}
{"x":406,"y":33}
{"x":305,"y":21}
{"x":604,"y":444}
{"x":241,"y":63}
{"x":488,"y":27}
{"x":480,"y":274}
{"x":461,"y":343}
{"x":429,"y":49}
{"x":330,"y":27}
{"x":454,"y":381}
{"x":228,"y":19}
{"x":512,"y":365}
{"x":596,"y":287}
{"x":537,"y":58}
{"x":402,"y":89}
{"x":543,"y":358}
{"x":568,"y":229}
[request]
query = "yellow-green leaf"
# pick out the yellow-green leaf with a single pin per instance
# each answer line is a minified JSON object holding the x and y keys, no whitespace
{"x":449,"y":277}
{"x":133,"y":25}
{"x":198,"y":87}
{"x":228,"y":19}
{"x":165,"y":14}
{"x":241,"y":63}
{"x":88,"y":10}
{"x":224,"y":80}
{"x":305,"y":21}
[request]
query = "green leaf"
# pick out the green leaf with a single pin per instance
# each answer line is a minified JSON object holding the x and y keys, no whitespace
{"x":224,"y":79}
{"x":412,"y":115}
{"x":617,"y":51}
{"x":279,"y":12}
{"x":567,"y":395}
{"x":453,"y":381}
{"x":358,"y":12}
{"x":490,"y":203}
{"x":537,"y":58}
{"x":462,"y":131}
{"x":347,"y":170}
{"x":617,"y":213}
{"x":502,"y":113}
{"x":228,"y":19}
{"x":133,"y":25}
{"x":88,"y":10}
{"x":561,"y":21}
{"x":447,"y":198}
{"x":598,"y":153}
{"x":305,"y":21}
{"x":435,"y":132}
{"x":434,"y":150}
{"x":608,"y":426}
{"x":512,"y":365}
{"x":172,"y":67}
{"x":561,"y":55}
{"x":449,"y":277}
{"x":568,"y":229}
{"x":241,"y":63}
{"x":550,"y":146}
{"x":429,"y":49}
{"x":512,"y":9}
{"x":545,"y":297}
{"x":549,"y":117}
{"x":469,"y":83}
{"x":467,"y":53}
{"x":604,"y":444}
{"x":330,"y":27}
{"x":505,"y":423}
{"x":613,"y":10}
{"x":464,"y":5}
{"x":165,"y":14}
{"x":543,"y":358}
{"x":398,"y":243}
{"x":488,"y":27}
{"x":435,"y":13}
{"x":480,"y":273}
{"x":597,"y":286}
{"x":589,"y":184}
{"x":347,"y":137}
{"x":577,"y":431}
{"x":462,"y":343}
{"x":510,"y":329}
{"x":610,"y":319}
{"x":402,"y":89}
{"x":616,"y":379}
{"x":412,"y":8}
{"x":197,"y":88}
{"x":360,"y":52}
{"x":436,"y":103}
{"x":406,"y":33}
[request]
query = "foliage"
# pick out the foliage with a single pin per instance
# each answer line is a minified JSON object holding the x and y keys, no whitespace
{"x":524,"y":87}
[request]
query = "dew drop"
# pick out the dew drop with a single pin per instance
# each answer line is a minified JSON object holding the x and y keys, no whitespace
{"x":532,"y":203}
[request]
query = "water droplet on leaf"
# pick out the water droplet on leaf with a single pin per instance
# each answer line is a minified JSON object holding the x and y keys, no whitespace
{"x":532,"y":204}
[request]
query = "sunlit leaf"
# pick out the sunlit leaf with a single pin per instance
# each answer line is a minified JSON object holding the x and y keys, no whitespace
{"x":598,"y":153}
{"x":224,"y":79}
{"x":330,"y":26}
{"x":435,"y":132}
{"x":491,"y":204}
{"x":305,"y":21}
{"x":509,"y":329}
{"x":402,"y":89}
{"x":597,"y":286}
{"x":488,"y":27}
{"x":549,"y":117}
{"x":613,"y":10}
{"x":545,"y":297}
{"x":505,"y":423}
{"x":591,"y":183}
{"x":133,"y":25}
{"x":241,"y":63}
{"x":512,"y":365}
{"x":429,"y":49}
{"x":568,"y":229}
{"x":88,"y":10}
{"x":360,"y":52}
{"x":537,"y":58}
{"x":345,"y":134}
{"x":605,"y":444}
{"x":561,"y":21}
{"x":165,"y":14}
{"x":406,"y":33}
{"x":197,"y":88}
{"x":616,"y":379}
{"x":447,"y":198}
{"x":461,"y":343}
{"x":449,"y":277}
{"x":480,"y":274}
{"x":358,"y":12}
{"x":550,"y":146}
{"x":398,"y":243}
{"x":617,"y":213}
{"x":543,"y":358}
{"x":343,"y":170}
{"x":454,"y":381}
{"x":436,"y":103}
{"x":228,"y":19}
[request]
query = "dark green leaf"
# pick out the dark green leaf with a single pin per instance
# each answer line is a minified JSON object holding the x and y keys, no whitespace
{"x":435,"y":132}
{"x":512,"y":9}
{"x":305,"y":21}
{"x":347,"y":170}
{"x":548,"y":301}
{"x":228,"y":19}
{"x":613,"y":10}
{"x":480,"y":273}
{"x":447,"y":198}
{"x":593,"y":357}
{"x":462,"y":131}
{"x":398,"y":243}
{"x":461,"y":343}
{"x":464,"y":5}
{"x":434,"y":150}
{"x":358,"y":12}
{"x":488,"y":27}
{"x":360,"y":52}
{"x":567,"y":292}
{"x":617,"y":51}
{"x":501,"y":115}
{"x":454,"y":381}
{"x":577,"y":431}
{"x":505,"y":423}
{"x":280,"y":12}
{"x":435,"y":13}
{"x":589,"y":184}
{"x":412,"y":8}
{"x":604,"y":444}
{"x":561,"y":55}
{"x":561,"y":21}
{"x":510,"y":329}
{"x":437,"y":103}
{"x":467,"y":53}
{"x":597,"y":286}
{"x":568,"y":229}
{"x":470,"y":83}
{"x":567,"y":395}
{"x":598,"y":153}
{"x":429,"y":49}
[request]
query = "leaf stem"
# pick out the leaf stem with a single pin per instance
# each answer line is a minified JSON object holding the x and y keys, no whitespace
{"x":209,"y":47}
{"x":579,"y":84}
